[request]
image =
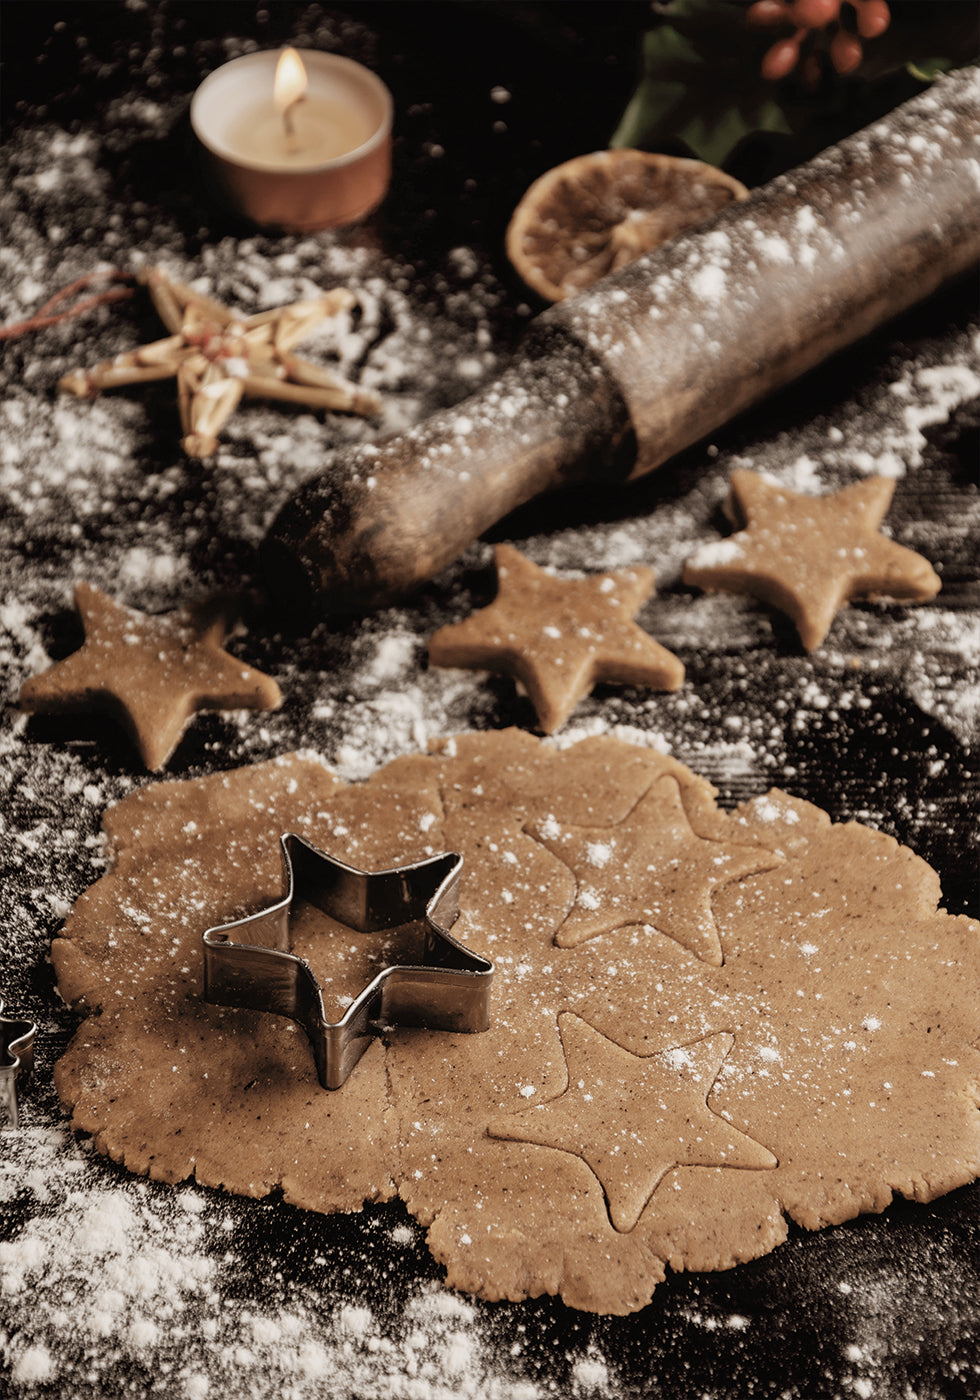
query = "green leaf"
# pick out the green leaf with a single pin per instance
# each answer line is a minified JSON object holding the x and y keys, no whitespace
{"x":927,"y":70}
{"x":699,"y":86}
{"x":715,"y":136}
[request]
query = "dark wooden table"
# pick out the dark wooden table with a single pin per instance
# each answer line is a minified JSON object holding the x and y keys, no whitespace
{"x":879,"y":724}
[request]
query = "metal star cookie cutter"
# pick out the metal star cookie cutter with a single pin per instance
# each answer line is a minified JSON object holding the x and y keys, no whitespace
{"x":447,"y":989}
{"x":16,"y":1063}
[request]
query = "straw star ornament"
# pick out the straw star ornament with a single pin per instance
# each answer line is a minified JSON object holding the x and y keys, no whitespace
{"x":218,"y":358}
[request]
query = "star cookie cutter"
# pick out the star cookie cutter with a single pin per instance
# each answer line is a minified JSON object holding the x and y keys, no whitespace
{"x":447,"y":989}
{"x":16,"y":1063}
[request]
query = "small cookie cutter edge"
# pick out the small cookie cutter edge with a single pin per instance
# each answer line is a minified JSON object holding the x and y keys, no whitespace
{"x":16,"y":1062}
{"x":449,"y":990}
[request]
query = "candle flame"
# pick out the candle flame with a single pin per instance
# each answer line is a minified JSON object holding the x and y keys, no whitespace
{"x":290,"y":83}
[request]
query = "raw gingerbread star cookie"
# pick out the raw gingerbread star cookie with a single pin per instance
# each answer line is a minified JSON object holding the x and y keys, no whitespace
{"x":153,"y":673}
{"x":689,"y":1109}
{"x":560,"y":637}
{"x":808,"y":555}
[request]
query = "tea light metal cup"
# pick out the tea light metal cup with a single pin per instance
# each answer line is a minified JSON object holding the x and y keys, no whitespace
{"x":316,"y":160}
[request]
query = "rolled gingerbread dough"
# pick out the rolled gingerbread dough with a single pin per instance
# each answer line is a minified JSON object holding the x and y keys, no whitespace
{"x":777,"y":1023}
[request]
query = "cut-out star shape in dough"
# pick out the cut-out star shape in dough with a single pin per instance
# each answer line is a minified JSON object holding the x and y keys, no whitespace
{"x":560,"y":637}
{"x":152,"y":672}
{"x":809,"y":555}
{"x":651,"y":868}
{"x":219,"y":357}
{"x":633,"y":1118}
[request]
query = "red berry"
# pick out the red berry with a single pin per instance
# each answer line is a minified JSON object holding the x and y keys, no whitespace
{"x":845,"y":51}
{"x":765,"y":13}
{"x":815,"y":14}
{"x":780,"y":59}
{"x":873,"y":18}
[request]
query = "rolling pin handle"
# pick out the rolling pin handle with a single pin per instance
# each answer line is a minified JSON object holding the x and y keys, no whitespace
{"x":383,"y":518}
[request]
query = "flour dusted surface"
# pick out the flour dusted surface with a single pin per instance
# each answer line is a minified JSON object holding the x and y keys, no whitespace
{"x":881,"y":726}
{"x":123,"y":1274}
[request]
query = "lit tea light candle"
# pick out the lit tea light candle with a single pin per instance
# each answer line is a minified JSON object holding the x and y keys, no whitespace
{"x":298,"y":141}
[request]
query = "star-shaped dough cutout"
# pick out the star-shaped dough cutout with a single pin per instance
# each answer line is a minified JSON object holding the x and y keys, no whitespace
{"x":651,"y":868}
{"x":634,"y":1118}
{"x":152,"y":672}
{"x":809,"y":555}
{"x":218,"y":358}
{"x":560,"y":637}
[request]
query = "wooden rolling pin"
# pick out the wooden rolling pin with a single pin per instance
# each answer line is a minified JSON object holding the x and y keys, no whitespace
{"x":669,"y":349}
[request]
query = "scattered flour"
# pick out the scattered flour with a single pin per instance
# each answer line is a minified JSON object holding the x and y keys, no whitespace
{"x":111,"y":1285}
{"x":110,"y":1276}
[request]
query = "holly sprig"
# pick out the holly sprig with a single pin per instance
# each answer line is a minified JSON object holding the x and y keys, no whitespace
{"x":719,"y":76}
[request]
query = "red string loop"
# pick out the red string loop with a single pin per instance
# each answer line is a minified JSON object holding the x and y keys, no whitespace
{"x":47,"y":316}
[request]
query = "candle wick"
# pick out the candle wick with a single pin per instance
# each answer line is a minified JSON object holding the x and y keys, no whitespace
{"x":289,"y":123}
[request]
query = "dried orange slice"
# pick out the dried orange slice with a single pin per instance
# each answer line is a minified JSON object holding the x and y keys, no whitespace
{"x":598,"y":212}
